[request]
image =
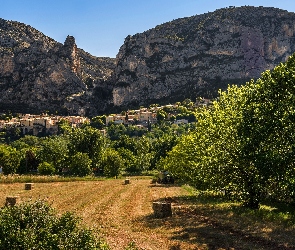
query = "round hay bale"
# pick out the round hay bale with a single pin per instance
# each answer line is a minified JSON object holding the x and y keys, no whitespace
{"x":29,"y":186}
{"x":127,"y":181}
{"x":162,"y":209}
{"x":11,"y":200}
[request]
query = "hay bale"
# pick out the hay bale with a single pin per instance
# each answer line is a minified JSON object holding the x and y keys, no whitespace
{"x":11,"y":200}
{"x":29,"y":186}
{"x":127,"y":181}
{"x":162,"y":209}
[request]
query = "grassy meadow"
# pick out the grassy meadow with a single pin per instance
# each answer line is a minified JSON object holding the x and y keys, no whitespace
{"x":123,"y":215}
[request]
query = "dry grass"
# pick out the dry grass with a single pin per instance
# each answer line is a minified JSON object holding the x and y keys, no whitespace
{"x":123,"y":214}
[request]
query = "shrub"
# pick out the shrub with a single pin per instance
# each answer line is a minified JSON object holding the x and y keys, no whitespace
{"x":35,"y":225}
{"x":46,"y":168}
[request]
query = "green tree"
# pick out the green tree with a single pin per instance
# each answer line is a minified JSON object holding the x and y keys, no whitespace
{"x":161,"y":146}
{"x":126,"y":142}
{"x":27,"y":148}
{"x":98,"y":122}
{"x":267,"y":132}
{"x":9,"y":159}
{"x":54,"y":150}
{"x":12,"y":134}
{"x":28,"y":141}
{"x":112,"y":163}
{"x":187,"y":102}
{"x":129,"y":160}
{"x":87,"y":140}
{"x":80,"y":164}
{"x":161,"y":115}
{"x":245,"y":141}
{"x":46,"y":168}
{"x":144,"y":153}
{"x":206,"y":156}
{"x":115,"y":131}
{"x":64,"y":127}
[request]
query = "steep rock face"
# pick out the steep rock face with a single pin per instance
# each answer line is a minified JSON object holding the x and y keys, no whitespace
{"x":39,"y":74}
{"x":195,"y":56}
{"x":184,"y":58}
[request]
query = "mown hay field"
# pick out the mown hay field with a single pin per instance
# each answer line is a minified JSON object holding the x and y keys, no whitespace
{"x":123,"y":214}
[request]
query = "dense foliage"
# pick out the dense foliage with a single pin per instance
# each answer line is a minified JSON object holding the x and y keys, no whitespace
{"x":37,"y":226}
{"x":86,"y":151}
{"x":244,"y":144}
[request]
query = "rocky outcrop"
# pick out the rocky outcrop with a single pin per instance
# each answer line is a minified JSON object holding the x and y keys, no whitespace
{"x":38,"y":74}
{"x":71,"y":53}
{"x":195,"y":56}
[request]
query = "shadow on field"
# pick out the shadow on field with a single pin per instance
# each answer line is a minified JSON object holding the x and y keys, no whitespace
{"x":211,"y":223}
{"x":161,"y":185}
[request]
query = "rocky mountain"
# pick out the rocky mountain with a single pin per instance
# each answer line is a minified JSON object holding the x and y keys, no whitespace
{"x":185,"y":58}
{"x":38,"y":74}
{"x":195,"y":56}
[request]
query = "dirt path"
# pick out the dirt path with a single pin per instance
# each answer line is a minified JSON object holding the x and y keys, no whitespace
{"x":123,"y":214}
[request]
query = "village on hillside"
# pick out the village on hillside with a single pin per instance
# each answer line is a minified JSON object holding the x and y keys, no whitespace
{"x":48,"y":124}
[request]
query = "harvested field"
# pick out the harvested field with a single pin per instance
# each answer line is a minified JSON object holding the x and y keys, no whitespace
{"x":123,"y":214}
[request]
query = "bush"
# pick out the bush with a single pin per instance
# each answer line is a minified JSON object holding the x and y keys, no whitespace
{"x":35,"y":225}
{"x":46,"y":168}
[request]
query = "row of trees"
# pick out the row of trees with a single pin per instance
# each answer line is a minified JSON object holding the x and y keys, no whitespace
{"x":83,"y":151}
{"x":245,"y":143}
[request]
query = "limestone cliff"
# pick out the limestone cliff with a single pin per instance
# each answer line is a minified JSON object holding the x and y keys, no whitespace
{"x":195,"y":56}
{"x":185,"y":58}
{"x":38,"y":74}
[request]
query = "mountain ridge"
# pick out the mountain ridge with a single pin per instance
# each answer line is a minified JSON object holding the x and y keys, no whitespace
{"x":202,"y":52}
{"x":184,"y":58}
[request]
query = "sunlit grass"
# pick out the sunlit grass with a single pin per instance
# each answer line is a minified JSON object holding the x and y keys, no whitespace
{"x":6,"y":179}
{"x":215,"y":204}
{"x":200,"y":218}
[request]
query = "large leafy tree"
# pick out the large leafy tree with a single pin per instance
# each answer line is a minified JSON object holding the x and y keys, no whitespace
{"x":9,"y":159}
{"x":129,"y":158}
{"x":27,"y":147}
{"x":267,"y":132}
{"x":87,"y":140}
{"x":205,"y":157}
{"x":112,"y":163}
{"x":144,"y":153}
{"x":245,"y":141}
{"x":98,"y":122}
{"x":161,"y":146}
{"x":54,"y":150}
{"x":80,"y":164}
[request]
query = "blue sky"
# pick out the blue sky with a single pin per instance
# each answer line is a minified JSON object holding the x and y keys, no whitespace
{"x":100,"y":26}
